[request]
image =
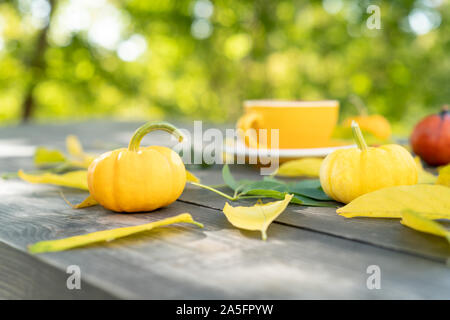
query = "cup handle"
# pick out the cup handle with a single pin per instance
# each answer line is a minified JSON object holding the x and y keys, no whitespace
{"x":246,"y":122}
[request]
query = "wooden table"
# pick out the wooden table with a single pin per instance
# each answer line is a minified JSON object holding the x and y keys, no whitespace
{"x":310,"y":252}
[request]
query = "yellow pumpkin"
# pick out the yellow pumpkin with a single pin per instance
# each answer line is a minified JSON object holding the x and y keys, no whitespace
{"x":138,"y":179}
{"x":376,"y":124}
{"x":347,"y":174}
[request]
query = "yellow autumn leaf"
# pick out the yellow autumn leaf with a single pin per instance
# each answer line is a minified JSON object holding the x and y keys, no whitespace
{"x":44,"y":156}
{"x":88,"y":202}
{"x":418,"y":222}
{"x":106,"y":235}
{"x":444,"y":176}
{"x":424,"y":176}
{"x":190,"y":177}
{"x":75,"y":149}
{"x":304,"y":167}
{"x":257,"y":217}
{"x":432,"y":201}
{"x":73,"y":179}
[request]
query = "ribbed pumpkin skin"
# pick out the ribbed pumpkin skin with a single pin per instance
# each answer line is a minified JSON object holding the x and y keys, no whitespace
{"x":128,"y":181}
{"x":349,"y":173}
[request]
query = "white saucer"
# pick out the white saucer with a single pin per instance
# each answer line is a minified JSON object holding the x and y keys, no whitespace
{"x":238,"y":148}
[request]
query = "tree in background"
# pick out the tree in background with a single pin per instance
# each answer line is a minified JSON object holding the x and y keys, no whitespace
{"x":135,"y":59}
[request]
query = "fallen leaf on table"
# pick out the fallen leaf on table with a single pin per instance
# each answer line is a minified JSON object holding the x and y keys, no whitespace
{"x":314,"y":193}
{"x":106,"y":235}
{"x":308,"y":183}
{"x":231,"y":182}
{"x":228,"y":178}
{"x":444,"y":176}
{"x":252,"y":188}
{"x":73,"y":179}
{"x":77,"y":157}
{"x":424,"y":176}
{"x":432,"y":201}
{"x":305,"y":167}
{"x":418,"y":222}
{"x":278,"y":190}
{"x":257,"y":217}
{"x":44,"y":156}
{"x":306,"y":201}
{"x":191,"y":177}
{"x":75,"y":149}
{"x":88,"y":202}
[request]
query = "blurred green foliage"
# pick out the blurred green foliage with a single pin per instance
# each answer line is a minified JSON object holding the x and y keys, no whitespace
{"x":201,"y":59}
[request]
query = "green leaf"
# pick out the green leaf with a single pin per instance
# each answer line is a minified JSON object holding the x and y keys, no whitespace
{"x":266,"y":193}
{"x":231,"y":182}
{"x":307,"y":183}
{"x":279,"y":191}
{"x":299,"y":199}
{"x":264,"y":185}
{"x":228,"y":178}
{"x":270,"y":187}
{"x":272,"y":178}
{"x":314,"y":193}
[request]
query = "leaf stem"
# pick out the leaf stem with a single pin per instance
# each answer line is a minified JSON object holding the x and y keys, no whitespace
{"x":251,"y":197}
{"x":213,"y":190}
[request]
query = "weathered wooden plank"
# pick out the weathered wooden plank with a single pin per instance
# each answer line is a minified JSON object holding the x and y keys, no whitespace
{"x":386,"y":233}
{"x":218,"y":261}
{"x":22,"y":276}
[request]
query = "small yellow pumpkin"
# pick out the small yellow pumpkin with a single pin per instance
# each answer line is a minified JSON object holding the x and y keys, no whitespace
{"x":376,"y":124}
{"x":138,"y":179}
{"x":347,"y":174}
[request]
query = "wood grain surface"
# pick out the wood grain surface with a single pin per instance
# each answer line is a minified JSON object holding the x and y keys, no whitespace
{"x":310,"y":252}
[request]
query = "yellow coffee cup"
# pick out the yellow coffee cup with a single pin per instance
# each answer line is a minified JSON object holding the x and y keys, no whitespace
{"x":301,"y":124}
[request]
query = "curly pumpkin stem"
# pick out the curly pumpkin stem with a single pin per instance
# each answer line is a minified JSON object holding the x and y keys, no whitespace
{"x":149,"y":127}
{"x":358,"y":137}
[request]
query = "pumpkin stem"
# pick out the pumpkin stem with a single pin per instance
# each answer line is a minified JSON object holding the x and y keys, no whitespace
{"x":358,"y":137}
{"x":149,"y":127}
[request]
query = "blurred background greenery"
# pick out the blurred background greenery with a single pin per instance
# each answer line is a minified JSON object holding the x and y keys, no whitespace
{"x":199,"y":59}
